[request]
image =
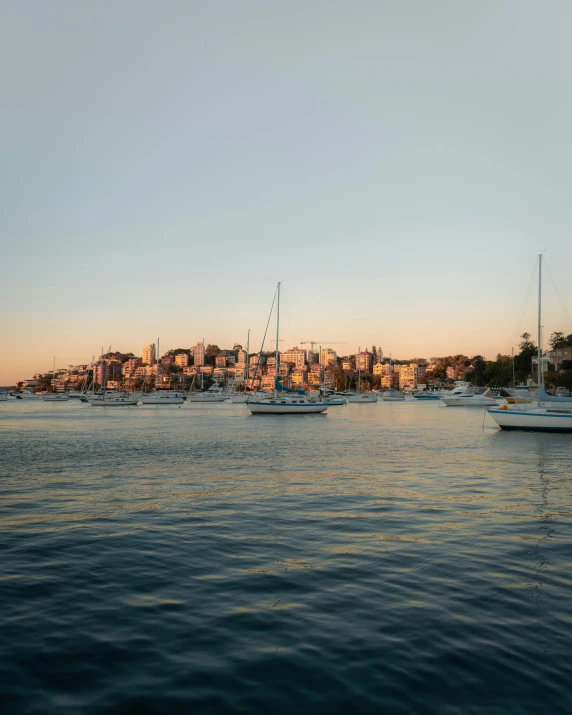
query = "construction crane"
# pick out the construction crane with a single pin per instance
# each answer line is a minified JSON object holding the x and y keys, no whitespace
{"x":320,"y":342}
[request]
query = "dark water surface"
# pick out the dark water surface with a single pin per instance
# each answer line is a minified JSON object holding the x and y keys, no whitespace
{"x":385,"y":558}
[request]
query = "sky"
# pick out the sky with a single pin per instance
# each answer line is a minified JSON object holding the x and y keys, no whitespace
{"x":397,"y":165}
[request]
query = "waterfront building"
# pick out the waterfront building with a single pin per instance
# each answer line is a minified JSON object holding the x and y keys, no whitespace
{"x":220,"y":360}
{"x":198,"y":353}
{"x":364,"y":360}
{"x":328,"y":356}
{"x":347,"y":365}
{"x":182,"y":360}
{"x":148,"y":354}
{"x":294,"y":355}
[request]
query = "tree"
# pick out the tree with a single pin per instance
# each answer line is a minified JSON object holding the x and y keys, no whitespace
{"x":212,"y":351}
{"x":557,"y":340}
{"x":526,"y":343}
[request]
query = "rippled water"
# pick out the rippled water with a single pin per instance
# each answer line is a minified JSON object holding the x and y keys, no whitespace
{"x":385,"y":558}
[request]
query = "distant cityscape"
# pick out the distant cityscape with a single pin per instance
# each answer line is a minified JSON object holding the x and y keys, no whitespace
{"x":200,"y":365}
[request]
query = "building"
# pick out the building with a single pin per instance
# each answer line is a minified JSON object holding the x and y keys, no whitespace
{"x":294,"y":355}
{"x":556,"y":357}
{"x":148,"y":354}
{"x":328,"y":356}
{"x":220,"y":360}
{"x":347,"y":365}
{"x":409,"y":375}
{"x":129,"y":366}
{"x":198,"y":353}
{"x":364,"y":361}
{"x":182,"y":360}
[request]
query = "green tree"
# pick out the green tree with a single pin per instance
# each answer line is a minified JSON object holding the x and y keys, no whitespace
{"x":557,"y":340}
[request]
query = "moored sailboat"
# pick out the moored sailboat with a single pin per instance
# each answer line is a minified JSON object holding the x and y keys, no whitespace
{"x":284,"y":401}
{"x":554,"y":413}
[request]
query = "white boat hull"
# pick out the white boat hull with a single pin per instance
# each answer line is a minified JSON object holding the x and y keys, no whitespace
{"x":238,"y":398}
{"x":393,"y":399}
{"x":469,"y":401}
{"x":362,"y":399}
{"x":161,"y":401}
{"x":55,"y":398}
{"x":115,"y":402}
{"x":269,"y":408}
{"x":217,"y":398}
{"x":534,"y":420}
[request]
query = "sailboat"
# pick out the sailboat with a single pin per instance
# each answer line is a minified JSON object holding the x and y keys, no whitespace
{"x":55,"y":396}
{"x":359,"y":396}
{"x":284,"y":401}
{"x":161,"y":398}
{"x":553,"y":414}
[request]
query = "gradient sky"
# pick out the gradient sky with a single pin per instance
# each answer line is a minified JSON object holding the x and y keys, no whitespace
{"x":398,"y":165}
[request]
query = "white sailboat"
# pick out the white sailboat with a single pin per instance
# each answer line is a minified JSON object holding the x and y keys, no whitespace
{"x":55,"y":396}
{"x":360,"y":397}
{"x":553,"y":414}
{"x":161,"y":398}
{"x":284,"y":401}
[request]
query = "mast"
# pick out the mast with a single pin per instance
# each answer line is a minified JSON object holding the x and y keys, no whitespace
{"x":539,"y":374}
{"x":359,"y":372}
{"x":513,"y":380}
{"x":277,"y":336}
{"x":157,"y":359}
{"x":203,"y":369}
{"x":248,"y":356}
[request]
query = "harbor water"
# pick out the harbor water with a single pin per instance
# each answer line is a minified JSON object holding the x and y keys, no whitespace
{"x":381,"y":558}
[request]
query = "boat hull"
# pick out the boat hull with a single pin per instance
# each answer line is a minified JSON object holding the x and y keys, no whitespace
{"x":426,"y":397}
{"x":362,"y":400}
{"x":532,"y":420}
{"x":162,"y":401}
{"x":113,"y":403}
{"x":261,"y":408}
{"x":204,"y":400}
{"x":467,"y":402}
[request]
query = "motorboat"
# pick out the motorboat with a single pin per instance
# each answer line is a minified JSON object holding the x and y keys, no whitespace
{"x":7,"y":396}
{"x":28,"y":395}
{"x":55,"y":397}
{"x":362,"y":398}
{"x":163,"y":398}
{"x":335,"y":400}
{"x":215,"y":393}
{"x":392,"y":396}
{"x":470,"y":397}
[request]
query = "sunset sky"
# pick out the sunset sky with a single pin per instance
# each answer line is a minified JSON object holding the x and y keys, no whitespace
{"x":398,"y":165}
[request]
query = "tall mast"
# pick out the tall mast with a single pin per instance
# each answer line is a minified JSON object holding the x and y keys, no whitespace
{"x":359,"y":371}
{"x":157,"y":359}
{"x":203,"y":368}
{"x":248,"y":355}
{"x":277,"y":337}
{"x":539,"y":378}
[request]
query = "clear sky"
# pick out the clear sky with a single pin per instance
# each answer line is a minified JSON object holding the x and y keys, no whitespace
{"x":398,"y":165}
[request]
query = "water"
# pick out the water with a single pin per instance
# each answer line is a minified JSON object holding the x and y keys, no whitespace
{"x":385,"y":558}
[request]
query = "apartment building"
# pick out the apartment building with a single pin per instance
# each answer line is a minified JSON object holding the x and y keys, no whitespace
{"x":364,"y":361}
{"x":409,"y":374}
{"x":294,"y":355}
{"x":220,"y":360}
{"x":198,"y":353}
{"x":182,"y":360}
{"x":328,"y":356}
{"x":148,"y":354}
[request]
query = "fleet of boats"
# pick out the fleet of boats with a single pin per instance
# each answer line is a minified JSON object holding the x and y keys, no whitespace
{"x":517,"y":408}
